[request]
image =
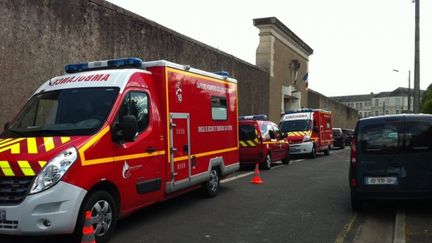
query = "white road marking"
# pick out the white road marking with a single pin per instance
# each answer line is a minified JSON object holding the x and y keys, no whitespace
{"x":399,"y":227}
{"x":236,"y":177}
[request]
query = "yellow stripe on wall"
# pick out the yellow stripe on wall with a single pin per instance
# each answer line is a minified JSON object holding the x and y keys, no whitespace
{"x":5,"y":167}
{"x":25,"y":167}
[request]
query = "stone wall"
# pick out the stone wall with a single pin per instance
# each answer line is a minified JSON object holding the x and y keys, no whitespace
{"x":343,"y":116}
{"x":39,"y":37}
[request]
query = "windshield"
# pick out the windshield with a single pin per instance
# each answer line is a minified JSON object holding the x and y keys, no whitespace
{"x":295,"y":125}
{"x":64,"y":112}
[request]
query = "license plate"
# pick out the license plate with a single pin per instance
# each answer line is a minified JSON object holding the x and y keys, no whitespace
{"x":2,"y":215}
{"x":390,"y":180}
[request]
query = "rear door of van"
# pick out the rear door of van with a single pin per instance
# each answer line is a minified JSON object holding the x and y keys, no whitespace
{"x":380,"y":156}
{"x":418,"y":152}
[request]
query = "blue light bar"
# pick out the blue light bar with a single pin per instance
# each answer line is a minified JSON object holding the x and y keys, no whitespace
{"x":132,"y":62}
{"x":260,"y":117}
{"x":222,"y":73}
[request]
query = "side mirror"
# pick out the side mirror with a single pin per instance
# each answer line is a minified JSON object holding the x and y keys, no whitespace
{"x":6,"y":126}
{"x":284,"y":134}
{"x":126,"y":130}
{"x":315,"y":129}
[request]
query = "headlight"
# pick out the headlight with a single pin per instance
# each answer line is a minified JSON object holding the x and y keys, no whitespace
{"x":306,"y":138}
{"x":54,"y":170}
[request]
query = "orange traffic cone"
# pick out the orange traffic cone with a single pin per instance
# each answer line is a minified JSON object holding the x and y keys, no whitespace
{"x":87,"y":232}
{"x":257,"y":179}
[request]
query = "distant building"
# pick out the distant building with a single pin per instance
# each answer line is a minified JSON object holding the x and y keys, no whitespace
{"x":393,"y":102}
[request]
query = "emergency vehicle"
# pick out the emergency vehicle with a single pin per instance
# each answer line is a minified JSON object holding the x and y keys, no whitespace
{"x":112,"y":137}
{"x":261,"y":142}
{"x":308,"y":131}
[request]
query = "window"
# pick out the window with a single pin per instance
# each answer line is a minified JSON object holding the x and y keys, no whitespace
{"x":247,"y":132}
{"x":376,"y":102}
{"x":219,"y":108}
{"x":381,"y":138}
{"x":418,"y":136}
{"x":387,"y":112}
{"x":136,"y":104}
{"x":361,"y":105}
{"x":398,"y":101}
{"x":376,"y":113}
{"x":66,"y":112}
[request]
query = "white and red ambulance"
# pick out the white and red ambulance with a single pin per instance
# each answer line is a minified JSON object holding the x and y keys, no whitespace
{"x":308,"y":131}
{"x":112,"y":137}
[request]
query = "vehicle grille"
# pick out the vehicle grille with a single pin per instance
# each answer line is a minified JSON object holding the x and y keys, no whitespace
{"x":13,"y":190}
{"x":9,"y":224}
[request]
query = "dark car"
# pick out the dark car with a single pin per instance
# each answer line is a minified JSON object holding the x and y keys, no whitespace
{"x":348,"y":134}
{"x":338,"y":138}
{"x":261,"y":142}
{"x":391,"y":158}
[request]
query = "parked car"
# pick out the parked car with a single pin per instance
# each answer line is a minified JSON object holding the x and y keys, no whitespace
{"x":348,"y":134}
{"x":261,"y":142}
{"x":338,"y":138}
{"x":391,"y":158}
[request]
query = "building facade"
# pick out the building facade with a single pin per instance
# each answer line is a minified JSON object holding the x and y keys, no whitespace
{"x":383,"y":103}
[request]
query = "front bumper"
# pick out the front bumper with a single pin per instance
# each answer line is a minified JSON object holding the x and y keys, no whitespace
{"x":53,"y":211}
{"x":301,"y":148}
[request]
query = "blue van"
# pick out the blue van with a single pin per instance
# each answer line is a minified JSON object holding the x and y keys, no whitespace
{"x":391,"y":158}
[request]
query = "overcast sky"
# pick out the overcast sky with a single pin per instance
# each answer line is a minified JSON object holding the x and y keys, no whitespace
{"x":356,"y":43}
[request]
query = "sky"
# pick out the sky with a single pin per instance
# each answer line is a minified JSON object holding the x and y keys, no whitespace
{"x":357,"y":43}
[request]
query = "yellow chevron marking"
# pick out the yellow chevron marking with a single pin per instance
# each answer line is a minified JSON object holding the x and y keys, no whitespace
{"x":243,"y":144}
{"x":25,"y":167}
{"x":42,"y":163}
{"x":65,"y":139}
{"x":10,"y":141}
{"x":256,"y":141}
{"x":49,"y":143}
{"x":14,"y":148}
{"x":250,"y":143}
{"x":31,"y":146}
{"x":5,"y":167}
{"x":4,"y":140}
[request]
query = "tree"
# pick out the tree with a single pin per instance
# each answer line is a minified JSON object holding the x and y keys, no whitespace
{"x":426,"y":103}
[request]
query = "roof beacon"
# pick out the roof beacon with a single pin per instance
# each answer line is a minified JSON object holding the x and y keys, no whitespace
{"x":132,"y":62}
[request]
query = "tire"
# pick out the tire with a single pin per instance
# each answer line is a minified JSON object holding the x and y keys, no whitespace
{"x":286,"y":160}
{"x":211,"y":187}
{"x":357,"y":204}
{"x":327,"y":151}
{"x":266,"y":165}
{"x":313,"y":153}
{"x":104,"y":211}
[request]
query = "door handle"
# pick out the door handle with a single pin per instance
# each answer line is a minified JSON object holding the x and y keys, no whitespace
{"x":150,"y":149}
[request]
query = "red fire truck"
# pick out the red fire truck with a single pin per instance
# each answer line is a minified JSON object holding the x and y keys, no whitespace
{"x":112,"y":137}
{"x":309,"y":131}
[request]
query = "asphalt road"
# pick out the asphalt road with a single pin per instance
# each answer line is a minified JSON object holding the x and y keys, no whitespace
{"x":306,"y":201}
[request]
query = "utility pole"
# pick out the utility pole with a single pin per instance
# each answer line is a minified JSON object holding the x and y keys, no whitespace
{"x":417,"y":58}
{"x":409,"y":91}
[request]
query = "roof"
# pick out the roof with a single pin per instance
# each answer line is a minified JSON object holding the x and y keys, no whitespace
{"x":285,"y":30}
{"x":401,"y":91}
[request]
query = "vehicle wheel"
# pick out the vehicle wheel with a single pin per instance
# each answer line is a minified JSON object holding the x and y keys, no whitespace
{"x":356,"y":203}
{"x":313,"y":153}
{"x":286,"y":160}
{"x":327,"y":151}
{"x":211,"y":187}
{"x":266,"y":165}
{"x":104,"y":215}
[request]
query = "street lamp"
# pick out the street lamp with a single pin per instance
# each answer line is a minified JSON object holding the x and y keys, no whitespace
{"x":409,"y":89}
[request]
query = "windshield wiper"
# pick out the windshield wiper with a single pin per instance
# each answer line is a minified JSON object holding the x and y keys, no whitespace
{"x":21,"y":134}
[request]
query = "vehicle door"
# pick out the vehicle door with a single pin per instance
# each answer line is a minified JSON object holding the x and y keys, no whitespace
{"x":282,"y":144}
{"x":181,"y":160}
{"x":418,"y":153}
{"x":250,"y":147}
{"x":273,"y":144}
{"x":380,"y":154}
{"x":140,"y":160}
